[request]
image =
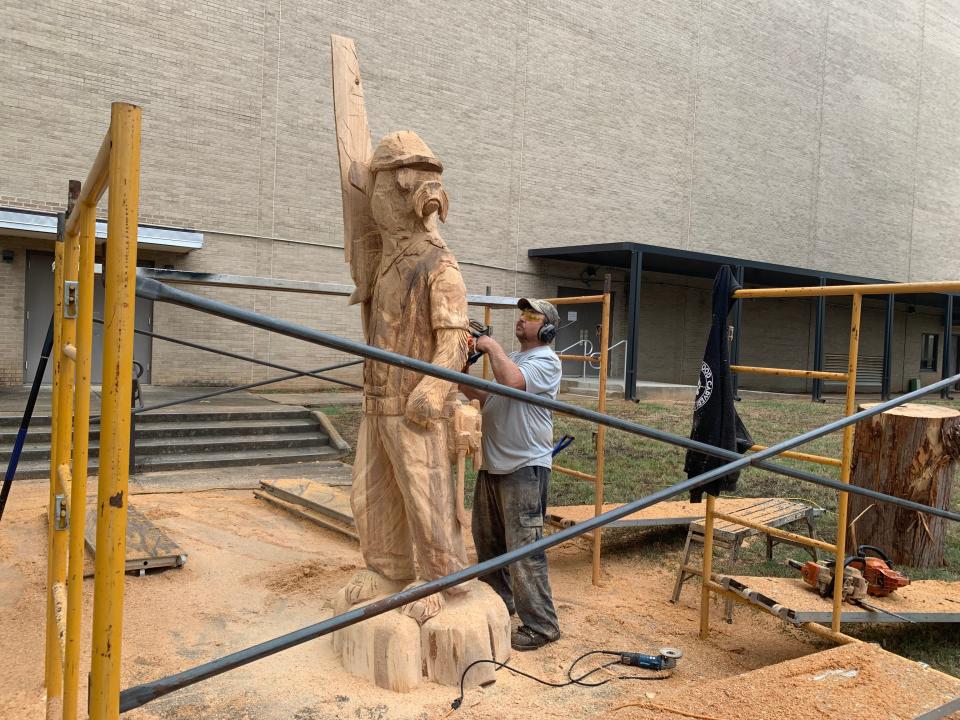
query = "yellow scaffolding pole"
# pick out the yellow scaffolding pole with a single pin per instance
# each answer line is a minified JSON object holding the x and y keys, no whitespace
{"x":847,"y":456}
{"x":61,"y":408}
{"x":601,"y":429}
{"x":81,"y":437}
{"x":119,"y":297}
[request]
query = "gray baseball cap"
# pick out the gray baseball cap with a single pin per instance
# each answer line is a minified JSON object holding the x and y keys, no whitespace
{"x":541,"y":306}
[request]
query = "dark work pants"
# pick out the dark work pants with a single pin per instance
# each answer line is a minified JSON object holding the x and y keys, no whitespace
{"x":508,"y":513}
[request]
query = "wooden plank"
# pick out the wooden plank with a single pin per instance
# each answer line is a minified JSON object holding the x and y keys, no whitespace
{"x":671,"y":512}
{"x":315,"y":496}
{"x":148,"y":546}
{"x":921,"y":601}
{"x":353,"y":146}
{"x":307,"y":513}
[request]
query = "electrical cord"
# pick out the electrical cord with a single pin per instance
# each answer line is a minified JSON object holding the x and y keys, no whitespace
{"x":571,"y":680}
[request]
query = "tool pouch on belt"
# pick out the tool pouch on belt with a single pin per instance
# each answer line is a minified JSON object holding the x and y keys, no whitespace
{"x":463,"y":428}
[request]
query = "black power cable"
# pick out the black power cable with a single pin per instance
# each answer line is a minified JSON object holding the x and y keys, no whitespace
{"x":571,"y":680}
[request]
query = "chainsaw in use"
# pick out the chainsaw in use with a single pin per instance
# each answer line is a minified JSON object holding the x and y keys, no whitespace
{"x":862,"y":576}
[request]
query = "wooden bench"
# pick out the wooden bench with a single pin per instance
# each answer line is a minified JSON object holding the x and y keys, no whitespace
{"x":773,"y":512}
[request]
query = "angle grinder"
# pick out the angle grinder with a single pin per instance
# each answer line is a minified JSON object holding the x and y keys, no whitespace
{"x":666,"y":660}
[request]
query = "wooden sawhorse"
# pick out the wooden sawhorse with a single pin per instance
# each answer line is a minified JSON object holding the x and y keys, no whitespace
{"x":773,"y":512}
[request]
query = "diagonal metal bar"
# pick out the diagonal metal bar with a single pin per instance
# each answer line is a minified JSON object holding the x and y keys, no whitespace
{"x":237,"y":356}
{"x":27,"y":416}
{"x":248,"y":386}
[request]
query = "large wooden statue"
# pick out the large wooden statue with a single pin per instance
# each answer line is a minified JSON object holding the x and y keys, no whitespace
{"x":404,"y":498}
{"x":416,"y":305}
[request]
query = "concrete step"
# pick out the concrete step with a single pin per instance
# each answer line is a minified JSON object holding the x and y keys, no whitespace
{"x":33,"y":469}
{"x":179,"y":429}
{"x":12,"y":422}
{"x":203,"y":443}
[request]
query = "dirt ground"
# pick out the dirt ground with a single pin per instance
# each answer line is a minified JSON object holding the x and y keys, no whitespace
{"x":254,"y":573}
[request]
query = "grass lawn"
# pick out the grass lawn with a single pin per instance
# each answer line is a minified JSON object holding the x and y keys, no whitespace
{"x":636,"y":467}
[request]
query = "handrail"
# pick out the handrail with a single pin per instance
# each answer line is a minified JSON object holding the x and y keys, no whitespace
{"x":238,"y":356}
{"x":140,"y":695}
{"x":248,"y":386}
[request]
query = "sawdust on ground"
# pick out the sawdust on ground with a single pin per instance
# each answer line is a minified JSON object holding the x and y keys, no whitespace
{"x":255,"y":573}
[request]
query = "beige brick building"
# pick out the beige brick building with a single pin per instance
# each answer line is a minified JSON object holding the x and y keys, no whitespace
{"x":797,"y":139}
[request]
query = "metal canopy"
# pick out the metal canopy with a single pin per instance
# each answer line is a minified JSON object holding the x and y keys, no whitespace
{"x":657,"y":258}
{"x":637,"y":257}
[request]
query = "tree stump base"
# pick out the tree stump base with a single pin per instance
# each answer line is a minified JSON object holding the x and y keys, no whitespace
{"x":394,"y":652}
{"x":910,"y":452}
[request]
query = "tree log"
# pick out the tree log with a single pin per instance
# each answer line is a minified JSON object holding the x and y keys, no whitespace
{"x":909,"y":452}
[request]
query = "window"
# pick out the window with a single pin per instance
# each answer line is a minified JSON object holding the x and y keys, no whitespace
{"x":929,"y":349}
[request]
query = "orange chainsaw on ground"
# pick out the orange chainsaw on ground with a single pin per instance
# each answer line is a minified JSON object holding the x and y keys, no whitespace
{"x":877,"y":570}
{"x":862,"y":575}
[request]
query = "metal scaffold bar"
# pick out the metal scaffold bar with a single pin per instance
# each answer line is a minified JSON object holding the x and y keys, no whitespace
{"x":112,"y":495}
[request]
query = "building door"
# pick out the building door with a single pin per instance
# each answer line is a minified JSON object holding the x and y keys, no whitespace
{"x":38,"y":307}
{"x":579,"y":332}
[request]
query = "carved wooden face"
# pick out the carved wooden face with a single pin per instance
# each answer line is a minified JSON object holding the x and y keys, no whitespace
{"x":406,"y":197}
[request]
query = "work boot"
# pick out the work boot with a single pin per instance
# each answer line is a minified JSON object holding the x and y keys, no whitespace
{"x":525,"y":638}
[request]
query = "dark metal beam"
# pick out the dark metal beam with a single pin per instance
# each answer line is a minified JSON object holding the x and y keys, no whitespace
{"x":633,"y":323}
{"x":821,"y":313}
{"x":947,"y":343}
{"x":887,"y":350}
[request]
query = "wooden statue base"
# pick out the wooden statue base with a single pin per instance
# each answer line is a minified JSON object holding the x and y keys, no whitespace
{"x":396,"y":653}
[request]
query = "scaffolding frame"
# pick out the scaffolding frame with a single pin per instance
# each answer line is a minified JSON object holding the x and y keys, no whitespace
{"x":115,"y":170}
{"x":857,"y":293}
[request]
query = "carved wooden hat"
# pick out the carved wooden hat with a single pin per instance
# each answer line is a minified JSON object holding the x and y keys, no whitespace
{"x":404,"y":149}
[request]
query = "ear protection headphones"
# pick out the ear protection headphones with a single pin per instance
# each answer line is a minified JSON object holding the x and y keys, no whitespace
{"x":547,"y":332}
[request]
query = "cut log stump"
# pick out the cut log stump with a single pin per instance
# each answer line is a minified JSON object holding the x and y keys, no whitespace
{"x":909,"y":452}
{"x":395,"y":653}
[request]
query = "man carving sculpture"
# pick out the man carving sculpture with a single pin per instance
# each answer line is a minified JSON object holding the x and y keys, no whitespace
{"x":414,"y":303}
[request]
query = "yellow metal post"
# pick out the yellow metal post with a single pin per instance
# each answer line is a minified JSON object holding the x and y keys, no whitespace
{"x":486,"y":360}
{"x":707,"y":569}
{"x":120,"y":270}
{"x":847,"y":457}
{"x":53,"y":675}
{"x":81,"y":437}
{"x":601,"y":429}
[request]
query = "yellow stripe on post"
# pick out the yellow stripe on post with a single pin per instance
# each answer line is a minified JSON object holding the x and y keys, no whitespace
{"x":81,"y":437}
{"x":119,"y":298}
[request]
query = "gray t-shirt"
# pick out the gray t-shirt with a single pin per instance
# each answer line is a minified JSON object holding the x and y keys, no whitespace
{"x":518,"y":434}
